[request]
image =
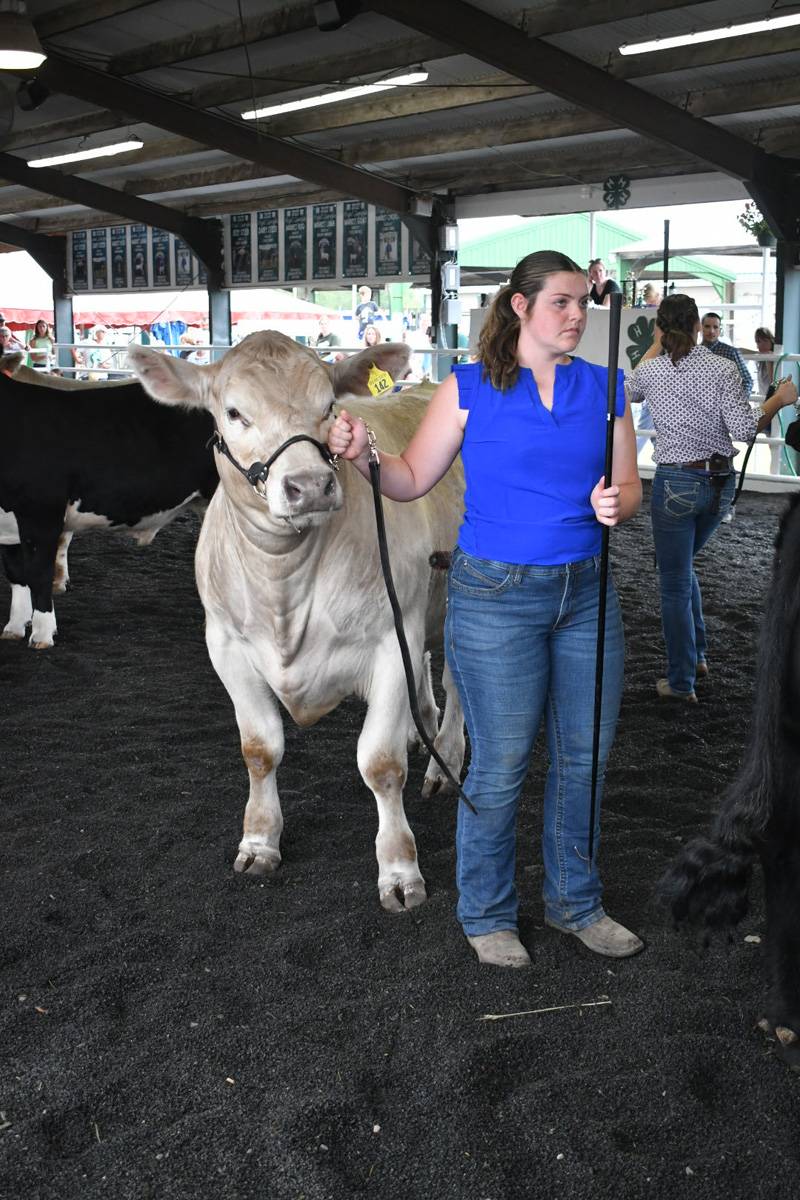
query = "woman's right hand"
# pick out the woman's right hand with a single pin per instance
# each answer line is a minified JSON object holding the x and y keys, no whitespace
{"x":786,"y":392}
{"x":347,"y":436}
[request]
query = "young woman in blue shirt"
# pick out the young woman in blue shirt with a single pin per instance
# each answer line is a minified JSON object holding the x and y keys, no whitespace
{"x":530,"y":420}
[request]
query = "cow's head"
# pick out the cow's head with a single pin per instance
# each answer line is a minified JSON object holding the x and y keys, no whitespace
{"x":11,"y":361}
{"x":265,"y":391}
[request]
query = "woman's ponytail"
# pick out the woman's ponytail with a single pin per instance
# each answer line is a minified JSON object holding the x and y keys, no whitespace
{"x":678,"y":318}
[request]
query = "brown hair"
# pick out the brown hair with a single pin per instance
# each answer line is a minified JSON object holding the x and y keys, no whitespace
{"x":767,"y":334}
{"x":497,"y":347}
{"x":677,"y":318}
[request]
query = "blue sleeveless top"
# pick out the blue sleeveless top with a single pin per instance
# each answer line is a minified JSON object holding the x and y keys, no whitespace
{"x":529,"y":472}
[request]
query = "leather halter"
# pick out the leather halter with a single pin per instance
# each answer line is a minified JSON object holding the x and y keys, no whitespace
{"x":258,"y":472}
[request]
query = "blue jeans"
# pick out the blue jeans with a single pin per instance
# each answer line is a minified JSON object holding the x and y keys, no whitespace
{"x":521,"y":644}
{"x":686,"y":507}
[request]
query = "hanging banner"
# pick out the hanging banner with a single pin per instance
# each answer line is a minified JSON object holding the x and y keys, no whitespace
{"x":387,"y":242}
{"x":267,"y":242}
{"x":419,"y":258}
{"x":324,"y":241}
{"x":183,"y":263}
{"x":354,"y":239}
{"x":139,"y":256}
{"x":99,"y":259}
{"x":80,"y":268}
{"x":160,"y":258}
{"x":241,"y":248}
{"x":294,"y":243}
{"x":119,"y":256}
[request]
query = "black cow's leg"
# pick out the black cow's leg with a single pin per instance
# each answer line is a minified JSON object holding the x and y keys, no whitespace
{"x":39,"y":546}
{"x":781,"y":861}
{"x":21,"y":611}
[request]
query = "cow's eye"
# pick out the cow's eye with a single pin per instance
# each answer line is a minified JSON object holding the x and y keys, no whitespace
{"x":233,"y":414}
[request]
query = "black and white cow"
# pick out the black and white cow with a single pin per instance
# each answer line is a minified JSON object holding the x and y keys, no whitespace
{"x":707,"y":886}
{"x":87,"y":458}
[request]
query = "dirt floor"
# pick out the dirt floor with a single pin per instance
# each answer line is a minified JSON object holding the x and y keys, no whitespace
{"x":171,"y":1030}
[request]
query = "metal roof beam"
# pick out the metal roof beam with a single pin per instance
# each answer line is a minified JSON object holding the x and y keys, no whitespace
{"x":204,"y":237}
{"x":79,"y":15}
{"x":96,"y":87}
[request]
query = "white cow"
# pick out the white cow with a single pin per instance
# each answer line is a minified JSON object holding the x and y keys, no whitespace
{"x":289,"y":575}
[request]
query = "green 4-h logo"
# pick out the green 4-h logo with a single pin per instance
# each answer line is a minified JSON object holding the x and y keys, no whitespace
{"x":640,"y":334}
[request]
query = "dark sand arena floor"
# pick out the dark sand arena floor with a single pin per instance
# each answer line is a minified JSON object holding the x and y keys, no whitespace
{"x":172,"y":1030}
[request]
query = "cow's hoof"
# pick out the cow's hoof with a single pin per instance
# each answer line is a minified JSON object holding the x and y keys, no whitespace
{"x":256,"y":864}
{"x":11,"y":635}
{"x":60,"y":587}
{"x":436,"y":785}
{"x":41,"y":645}
{"x":788,"y":1042}
{"x":402,"y":897}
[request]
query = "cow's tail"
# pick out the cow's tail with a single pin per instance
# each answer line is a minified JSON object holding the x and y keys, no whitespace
{"x":708,"y":883}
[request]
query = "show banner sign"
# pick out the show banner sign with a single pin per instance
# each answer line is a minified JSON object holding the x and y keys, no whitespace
{"x":119,"y":256}
{"x":295,"y":223}
{"x":160,"y":258}
{"x":387,"y":242}
{"x":267,"y":242}
{"x":323,"y":265}
{"x":183,"y":264}
{"x":139,"y":256}
{"x":241,"y":248}
{"x":355,"y":229}
{"x":80,"y":266}
{"x":100,"y":259}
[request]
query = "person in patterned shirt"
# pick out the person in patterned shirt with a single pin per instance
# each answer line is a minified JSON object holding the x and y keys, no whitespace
{"x":699,"y":407}
{"x":712,"y":324}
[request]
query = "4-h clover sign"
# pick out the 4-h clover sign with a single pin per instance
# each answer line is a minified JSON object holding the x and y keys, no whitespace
{"x":641,"y":335}
{"x":616,"y":191}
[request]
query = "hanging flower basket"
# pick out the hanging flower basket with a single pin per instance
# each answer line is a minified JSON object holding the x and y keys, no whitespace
{"x":752,"y":220}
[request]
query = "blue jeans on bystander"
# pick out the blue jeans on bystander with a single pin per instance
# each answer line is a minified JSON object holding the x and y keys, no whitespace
{"x":521,"y":644}
{"x":686,"y":507}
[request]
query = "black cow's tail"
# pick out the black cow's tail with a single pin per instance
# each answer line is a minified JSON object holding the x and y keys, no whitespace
{"x":707,"y":885}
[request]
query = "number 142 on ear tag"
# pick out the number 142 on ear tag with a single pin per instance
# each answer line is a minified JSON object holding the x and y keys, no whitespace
{"x":379,"y":381}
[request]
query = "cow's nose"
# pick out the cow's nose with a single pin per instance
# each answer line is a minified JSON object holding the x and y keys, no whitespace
{"x":310,"y":491}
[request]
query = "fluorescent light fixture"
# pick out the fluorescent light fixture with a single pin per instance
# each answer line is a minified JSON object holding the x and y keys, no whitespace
{"x":79,"y":155}
{"x":20,"y":48}
{"x":712,"y":35}
{"x":365,"y":89}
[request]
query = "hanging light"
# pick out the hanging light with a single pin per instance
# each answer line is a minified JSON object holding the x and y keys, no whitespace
{"x":20,"y":48}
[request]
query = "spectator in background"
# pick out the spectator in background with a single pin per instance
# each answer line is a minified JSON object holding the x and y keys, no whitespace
{"x":711,"y":325}
{"x":372,"y":336}
{"x":651,"y":296}
{"x":602,"y":283}
{"x":326,"y":339}
{"x":40,"y":346}
{"x":8,"y":343}
{"x":99,"y":353}
{"x":366,"y":310}
{"x":765,"y":371}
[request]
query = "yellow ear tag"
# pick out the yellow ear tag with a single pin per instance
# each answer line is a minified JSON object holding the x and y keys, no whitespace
{"x":379,"y":381}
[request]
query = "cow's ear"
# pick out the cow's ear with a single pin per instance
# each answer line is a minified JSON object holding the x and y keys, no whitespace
{"x":11,"y":362}
{"x":170,"y":380}
{"x":351,"y":375}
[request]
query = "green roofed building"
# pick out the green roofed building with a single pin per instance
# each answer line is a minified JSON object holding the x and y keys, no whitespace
{"x":569,"y":234}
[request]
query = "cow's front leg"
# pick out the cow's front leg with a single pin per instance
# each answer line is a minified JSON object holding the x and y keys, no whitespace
{"x":21,"y":607}
{"x":382,"y":761}
{"x":261,"y":734}
{"x":781,"y":862}
{"x":38,"y":560}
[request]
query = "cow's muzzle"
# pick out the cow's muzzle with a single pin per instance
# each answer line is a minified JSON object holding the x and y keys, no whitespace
{"x":309,"y":492}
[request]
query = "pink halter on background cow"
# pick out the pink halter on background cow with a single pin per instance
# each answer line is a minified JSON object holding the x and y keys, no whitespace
{"x":290,"y":579}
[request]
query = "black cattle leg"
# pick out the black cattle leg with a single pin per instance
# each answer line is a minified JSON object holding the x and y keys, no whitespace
{"x":39,"y":545}
{"x":781,"y":861}
{"x":21,"y":612}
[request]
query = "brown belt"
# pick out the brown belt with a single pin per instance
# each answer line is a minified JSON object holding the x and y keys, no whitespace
{"x":719,"y":465}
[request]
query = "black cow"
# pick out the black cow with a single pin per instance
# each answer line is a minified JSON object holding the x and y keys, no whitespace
{"x":707,"y":886}
{"x":87,"y":458}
